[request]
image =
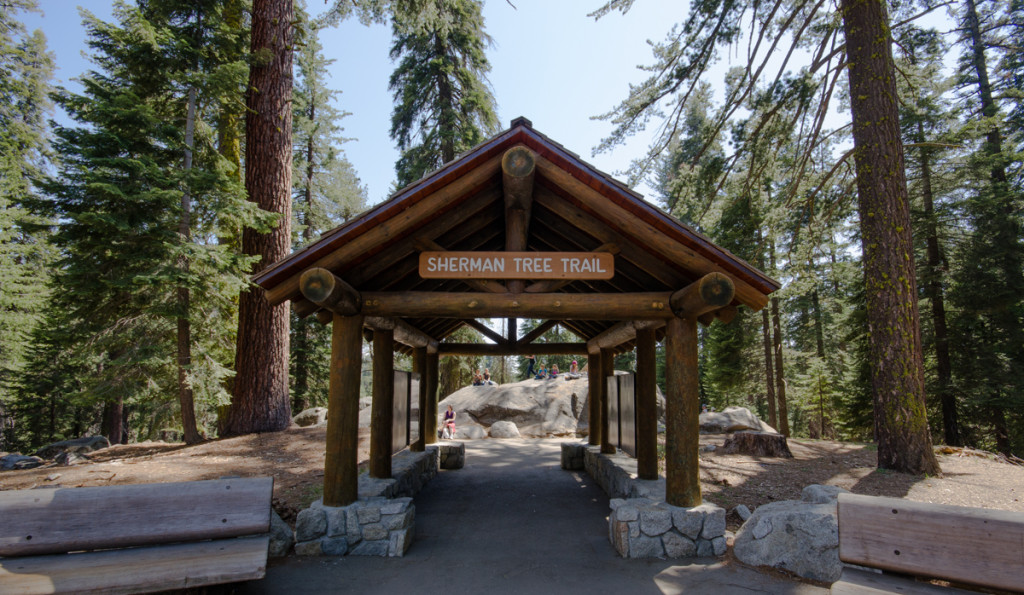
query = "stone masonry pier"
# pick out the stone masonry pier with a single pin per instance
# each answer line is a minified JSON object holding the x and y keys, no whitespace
{"x":641,"y":523}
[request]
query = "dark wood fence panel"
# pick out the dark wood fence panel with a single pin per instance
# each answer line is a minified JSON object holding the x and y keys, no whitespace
{"x":400,"y":418}
{"x":414,"y":408}
{"x":627,"y":413}
{"x":613,"y":410}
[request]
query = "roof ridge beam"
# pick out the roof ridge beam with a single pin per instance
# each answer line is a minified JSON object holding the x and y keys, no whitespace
{"x":517,"y":171}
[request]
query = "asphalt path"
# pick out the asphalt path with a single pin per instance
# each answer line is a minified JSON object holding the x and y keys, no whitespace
{"x":512,"y":521}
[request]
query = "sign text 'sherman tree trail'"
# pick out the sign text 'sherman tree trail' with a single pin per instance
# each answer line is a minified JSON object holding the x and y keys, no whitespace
{"x":517,"y":265}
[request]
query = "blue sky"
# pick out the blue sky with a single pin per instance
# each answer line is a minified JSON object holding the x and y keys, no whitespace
{"x":549,"y":63}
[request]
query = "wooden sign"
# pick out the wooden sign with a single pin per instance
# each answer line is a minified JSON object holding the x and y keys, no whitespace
{"x":517,"y":265}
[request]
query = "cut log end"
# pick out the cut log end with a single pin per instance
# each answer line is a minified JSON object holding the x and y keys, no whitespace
{"x":758,"y":444}
{"x":518,"y":162}
{"x":717,"y":289}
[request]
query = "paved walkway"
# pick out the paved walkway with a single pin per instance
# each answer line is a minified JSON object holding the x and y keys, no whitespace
{"x":512,"y":521}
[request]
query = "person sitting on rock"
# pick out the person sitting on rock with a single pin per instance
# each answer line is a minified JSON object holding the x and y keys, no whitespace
{"x":478,"y":378}
{"x":487,"y":377}
{"x":542,"y":374}
{"x":448,"y":425}
{"x":554,"y":371}
{"x":574,"y":371}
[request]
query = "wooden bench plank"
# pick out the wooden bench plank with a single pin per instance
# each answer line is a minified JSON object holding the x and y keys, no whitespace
{"x":854,"y":581}
{"x":72,"y":519}
{"x":138,"y":570}
{"x":973,"y":546}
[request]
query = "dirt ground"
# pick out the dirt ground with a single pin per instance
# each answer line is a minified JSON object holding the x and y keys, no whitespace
{"x":295,"y":458}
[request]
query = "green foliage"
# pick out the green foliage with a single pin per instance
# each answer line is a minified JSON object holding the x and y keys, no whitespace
{"x":442,"y":102}
{"x":326,"y":192}
{"x":118,"y":194}
{"x":26,"y":255}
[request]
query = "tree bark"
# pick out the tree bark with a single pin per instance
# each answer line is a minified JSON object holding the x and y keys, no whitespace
{"x":933,"y":289}
{"x":766,"y":334}
{"x":904,"y":442}
{"x":780,"y":377}
{"x":185,"y":394}
{"x":260,"y":401}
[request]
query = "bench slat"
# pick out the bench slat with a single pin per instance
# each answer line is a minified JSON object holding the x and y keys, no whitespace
{"x":138,"y":570}
{"x":861,"y":582}
{"x":72,"y":519}
{"x":968,"y":545}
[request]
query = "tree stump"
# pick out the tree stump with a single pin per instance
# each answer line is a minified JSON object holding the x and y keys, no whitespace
{"x":758,"y":444}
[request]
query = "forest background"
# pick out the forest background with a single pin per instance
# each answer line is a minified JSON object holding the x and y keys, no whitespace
{"x":121,"y":254}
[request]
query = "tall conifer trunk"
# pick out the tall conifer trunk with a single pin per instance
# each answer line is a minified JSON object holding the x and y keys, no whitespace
{"x":780,"y":377}
{"x":766,"y":334}
{"x":897,"y":371}
{"x":933,"y":289}
{"x":185,"y":393}
{"x":260,"y":401}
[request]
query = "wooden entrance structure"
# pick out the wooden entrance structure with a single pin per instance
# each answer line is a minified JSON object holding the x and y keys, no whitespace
{"x":517,"y":192}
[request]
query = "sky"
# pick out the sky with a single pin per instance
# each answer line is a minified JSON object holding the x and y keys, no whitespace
{"x":550,"y":63}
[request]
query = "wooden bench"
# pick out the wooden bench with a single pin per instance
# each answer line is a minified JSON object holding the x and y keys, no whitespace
{"x":968,"y":546}
{"x":134,"y":538}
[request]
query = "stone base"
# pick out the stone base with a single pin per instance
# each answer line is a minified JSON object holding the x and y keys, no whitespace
{"x":573,"y":454}
{"x":452,"y":454}
{"x":641,"y":524}
{"x":644,"y":528}
{"x":376,"y":527}
{"x":410,"y":471}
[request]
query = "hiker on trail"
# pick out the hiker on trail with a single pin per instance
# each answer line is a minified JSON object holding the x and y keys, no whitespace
{"x":530,"y":359}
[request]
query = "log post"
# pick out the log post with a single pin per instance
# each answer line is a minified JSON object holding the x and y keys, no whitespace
{"x":646,"y":405}
{"x":517,"y":167}
{"x":326,"y":290}
{"x":710,"y":292}
{"x":607,"y":369}
{"x":419,"y":366}
{"x":341,"y":465}
{"x":682,"y":410}
{"x":430,"y":413}
{"x":382,"y":412}
{"x":594,"y":398}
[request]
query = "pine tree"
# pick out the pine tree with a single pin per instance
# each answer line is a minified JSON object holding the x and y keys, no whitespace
{"x":989,"y":271}
{"x":684,"y":59}
{"x":443,"y":105}
{"x":26,"y":255}
{"x":260,"y":398}
{"x":120,"y":197}
{"x":326,"y":192}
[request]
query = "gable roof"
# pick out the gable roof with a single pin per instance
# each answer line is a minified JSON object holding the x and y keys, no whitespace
{"x":575,"y":208}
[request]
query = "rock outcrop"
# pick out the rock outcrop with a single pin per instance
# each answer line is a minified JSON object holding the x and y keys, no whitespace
{"x":732,"y":419}
{"x":801,"y":537}
{"x":538,"y":408}
{"x":314,"y":416}
{"x":77,"y":446}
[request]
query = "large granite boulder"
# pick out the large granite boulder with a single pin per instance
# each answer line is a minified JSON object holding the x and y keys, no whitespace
{"x":504,"y":429}
{"x":77,"y":445}
{"x":538,"y":408}
{"x":801,"y":537}
{"x":13,"y":461}
{"x":314,"y":416}
{"x":732,"y":419}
